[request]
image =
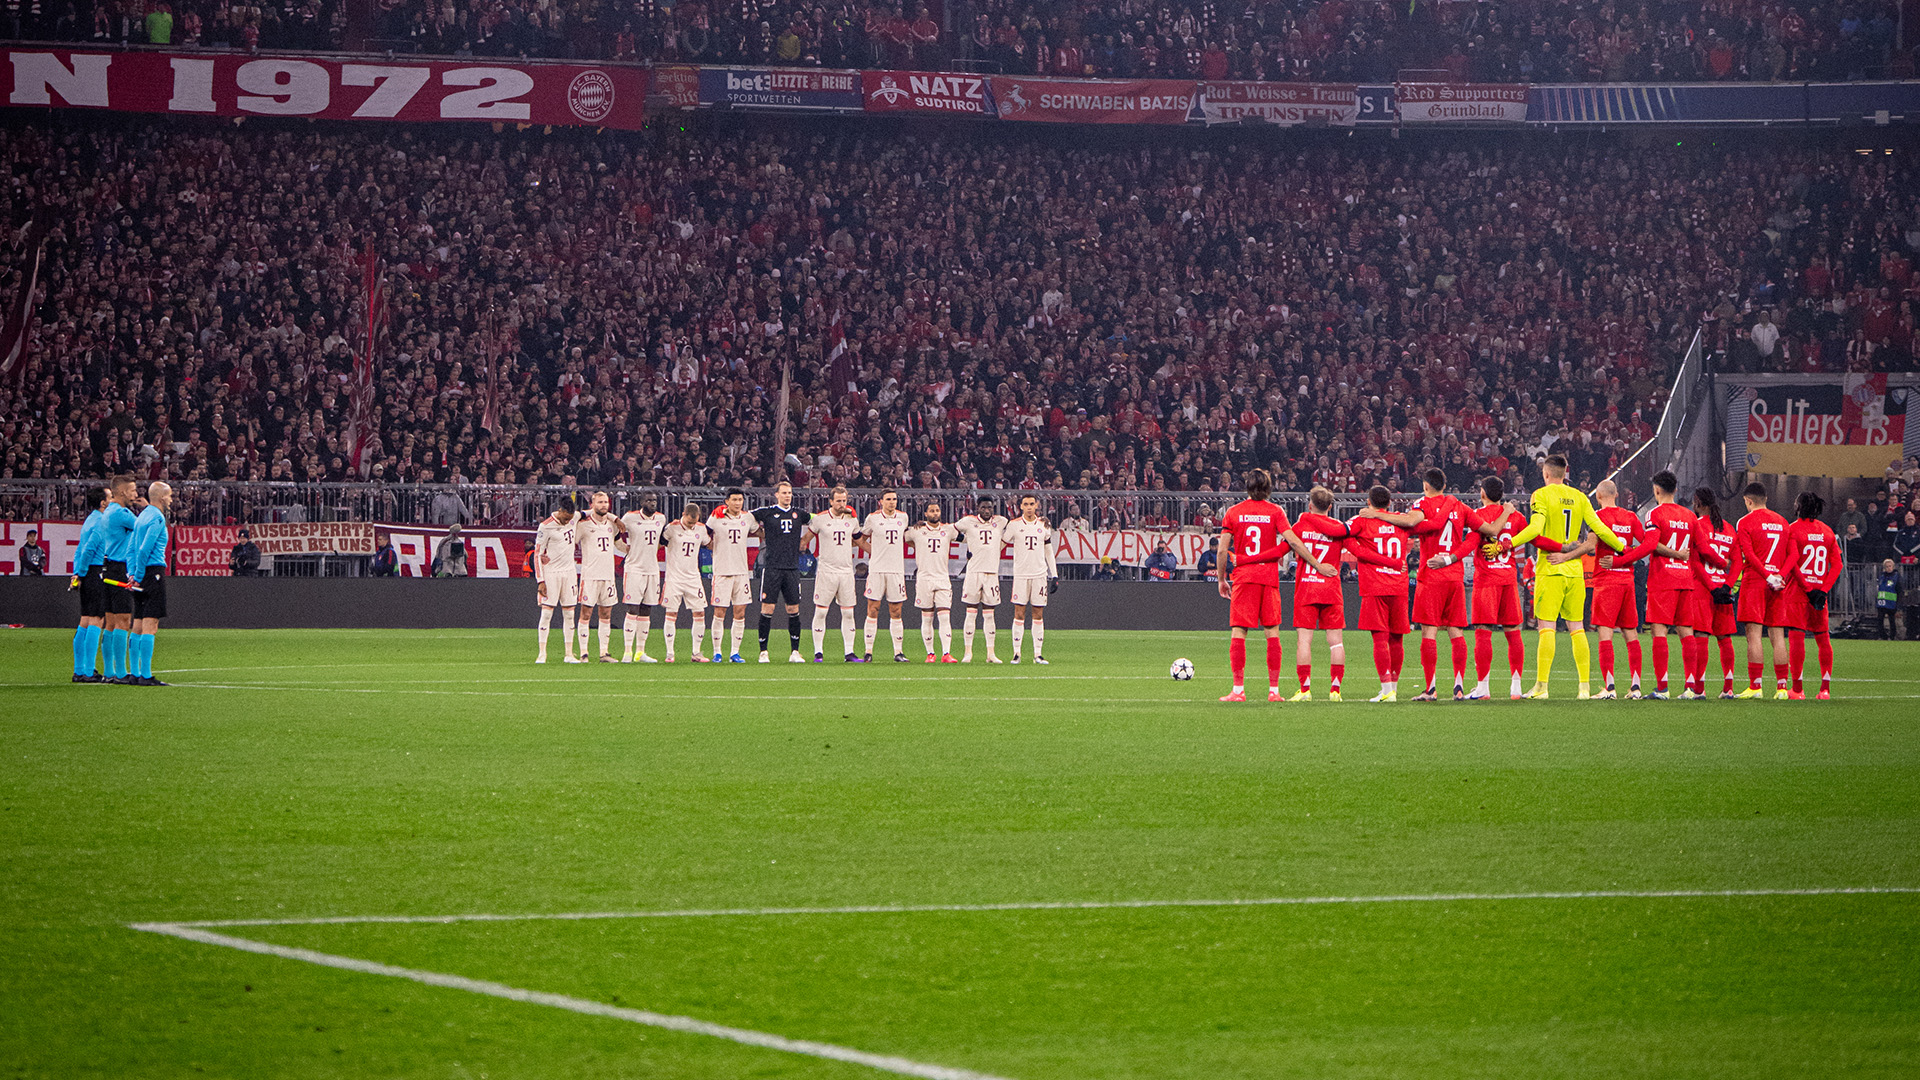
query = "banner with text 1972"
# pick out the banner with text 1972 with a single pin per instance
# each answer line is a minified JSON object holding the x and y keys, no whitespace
{"x":1093,"y":101}
{"x":251,"y":84}
{"x":1281,"y":104}
{"x":1461,"y":102}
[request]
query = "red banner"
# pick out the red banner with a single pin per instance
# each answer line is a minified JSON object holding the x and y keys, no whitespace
{"x":679,"y":85}
{"x":203,"y":550}
{"x":1090,"y":101}
{"x":1282,"y":104}
{"x":249,"y":84}
{"x":917,"y":91}
{"x":1453,"y":102}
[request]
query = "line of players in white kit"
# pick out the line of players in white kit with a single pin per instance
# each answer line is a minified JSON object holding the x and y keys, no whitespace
{"x":574,"y":568}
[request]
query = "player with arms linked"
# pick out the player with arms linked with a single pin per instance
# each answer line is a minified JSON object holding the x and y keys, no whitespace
{"x":1713,"y":609}
{"x":88,"y":558}
{"x":1559,"y":589}
{"x":1383,"y":591}
{"x":1496,"y":591}
{"x":1251,"y":535}
{"x":780,"y":528}
{"x":1760,"y":556}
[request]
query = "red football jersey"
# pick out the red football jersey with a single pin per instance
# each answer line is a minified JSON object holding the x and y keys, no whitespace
{"x":1671,"y":524}
{"x":1628,"y":528}
{"x":1389,"y":541}
{"x":1498,"y":568}
{"x":1816,"y":556}
{"x":1326,"y":538}
{"x":1760,"y":546}
{"x":1447,"y":530}
{"x":1716,"y":542}
{"x":1256,"y":526}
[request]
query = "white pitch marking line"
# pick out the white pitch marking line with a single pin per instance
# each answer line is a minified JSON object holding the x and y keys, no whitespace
{"x":1067,"y":905}
{"x":323,"y":689}
{"x":883,"y":1062}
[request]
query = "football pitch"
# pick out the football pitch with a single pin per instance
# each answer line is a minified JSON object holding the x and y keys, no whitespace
{"x":416,"y":854}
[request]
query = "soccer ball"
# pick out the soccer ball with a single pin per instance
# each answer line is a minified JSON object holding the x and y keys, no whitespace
{"x":1182,"y":670}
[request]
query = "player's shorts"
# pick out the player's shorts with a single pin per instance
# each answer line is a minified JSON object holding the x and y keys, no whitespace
{"x":1614,"y":606}
{"x":732,"y":590}
{"x":1255,"y":606}
{"x":932,"y":591}
{"x":599,"y":593}
{"x":1320,"y":616}
{"x":1496,"y":603}
{"x":563,"y":588}
{"x":1714,"y":620}
{"x":1385,"y":613}
{"x":151,"y":601}
{"x":119,"y":597}
{"x":93,"y":595}
{"x":1801,"y":615}
{"x":1441,"y":603}
{"x":1670,"y":607}
{"x":834,"y":588}
{"x":1032,"y":592}
{"x":1558,"y":597}
{"x":889,"y":587}
{"x":641,"y":588}
{"x":980,"y":590}
{"x":677,"y":593}
{"x":1761,"y":605}
{"x":779,"y":585}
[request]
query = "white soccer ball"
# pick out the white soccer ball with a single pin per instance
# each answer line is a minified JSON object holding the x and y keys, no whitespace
{"x":1182,"y":670}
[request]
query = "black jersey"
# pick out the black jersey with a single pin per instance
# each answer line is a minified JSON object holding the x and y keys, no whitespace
{"x":780,"y":544}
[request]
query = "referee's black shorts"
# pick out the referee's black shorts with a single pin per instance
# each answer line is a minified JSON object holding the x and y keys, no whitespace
{"x":779,"y":585}
{"x":93,"y":595}
{"x":151,"y":601}
{"x":119,"y":597}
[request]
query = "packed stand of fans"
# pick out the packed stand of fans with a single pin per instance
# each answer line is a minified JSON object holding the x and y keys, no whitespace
{"x":1015,"y":310}
{"x":1543,"y":41}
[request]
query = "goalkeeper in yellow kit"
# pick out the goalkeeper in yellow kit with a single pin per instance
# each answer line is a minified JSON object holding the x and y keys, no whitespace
{"x":1559,"y":588}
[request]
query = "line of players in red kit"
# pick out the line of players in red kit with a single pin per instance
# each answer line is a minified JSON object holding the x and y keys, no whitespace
{"x":1696,"y":560}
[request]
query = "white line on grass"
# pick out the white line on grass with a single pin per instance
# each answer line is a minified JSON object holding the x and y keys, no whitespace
{"x":883,"y":1062}
{"x":597,"y":690}
{"x":1073,"y":905}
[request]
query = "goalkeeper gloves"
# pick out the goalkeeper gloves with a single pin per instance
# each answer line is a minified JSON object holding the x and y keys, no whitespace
{"x":1506,"y":544}
{"x":1817,"y":599}
{"x":1723,"y":594}
{"x":1491,"y":549}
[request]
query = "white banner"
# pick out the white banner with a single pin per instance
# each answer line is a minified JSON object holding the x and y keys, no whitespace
{"x":1281,"y":104}
{"x":1455,"y":102}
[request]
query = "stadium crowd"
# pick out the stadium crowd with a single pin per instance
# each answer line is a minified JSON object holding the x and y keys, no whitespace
{"x":1015,"y":311}
{"x":1268,"y":40}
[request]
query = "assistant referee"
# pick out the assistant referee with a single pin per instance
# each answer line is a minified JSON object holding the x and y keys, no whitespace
{"x":779,"y":566}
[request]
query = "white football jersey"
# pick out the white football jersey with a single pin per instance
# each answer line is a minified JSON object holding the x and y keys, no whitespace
{"x":835,"y":540}
{"x":886,"y":542}
{"x":932,"y":544}
{"x":1032,"y":547}
{"x":643,"y":535}
{"x":683,"y":551}
{"x":554,"y":544}
{"x":730,"y":543}
{"x":596,"y":545}
{"x":984,"y":537}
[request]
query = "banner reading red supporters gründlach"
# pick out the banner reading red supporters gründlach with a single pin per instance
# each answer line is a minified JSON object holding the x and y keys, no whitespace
{"x":1093,"y":101}
{"x":250,"y":84}
{"x":1461,"y":102}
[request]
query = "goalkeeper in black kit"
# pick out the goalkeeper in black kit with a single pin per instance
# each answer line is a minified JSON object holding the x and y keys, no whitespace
{"x":779,"y":566}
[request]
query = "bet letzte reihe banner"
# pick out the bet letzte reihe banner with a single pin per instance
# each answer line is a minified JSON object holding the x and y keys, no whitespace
{"x":779,"y":88}
{"x":1846,"y":426}
{"x":1453,"y":103}
{"x":250,"y":84}
{"x":1280,"y":104}
{"x":1093,"y":101}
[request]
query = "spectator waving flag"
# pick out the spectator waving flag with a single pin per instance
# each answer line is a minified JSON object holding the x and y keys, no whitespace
{"x":494,"y":350}
{"x":839,"y":363}
{"x":360,"y":417}
{"x":19,"y":321}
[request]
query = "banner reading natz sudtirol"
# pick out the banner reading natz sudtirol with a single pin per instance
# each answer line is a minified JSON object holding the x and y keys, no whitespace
{"x":1431,"y":103}
{"x":1838,"y":426}
{"x":250,"y":84}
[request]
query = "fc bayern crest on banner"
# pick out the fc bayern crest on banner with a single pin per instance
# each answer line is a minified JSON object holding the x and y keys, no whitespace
{"x":590,"y":96}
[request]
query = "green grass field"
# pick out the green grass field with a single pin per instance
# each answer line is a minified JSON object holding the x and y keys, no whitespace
{"x":299,"y":775}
